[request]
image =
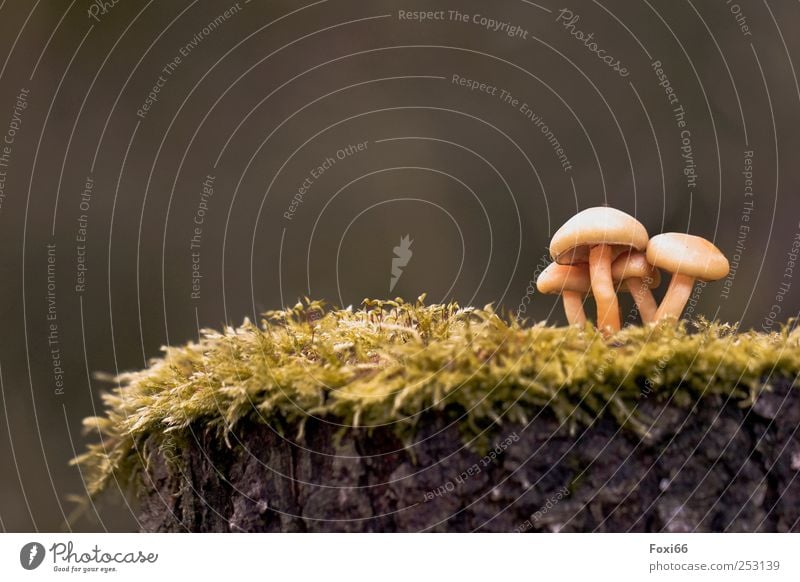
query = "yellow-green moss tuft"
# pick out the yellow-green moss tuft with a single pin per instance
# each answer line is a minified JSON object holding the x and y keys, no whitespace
{"x":390,"y":360}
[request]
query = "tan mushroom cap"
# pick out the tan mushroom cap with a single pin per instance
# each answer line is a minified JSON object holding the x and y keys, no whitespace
{"x":557,"y":278}
{"x":594,"y":226}
{"x":687,"y":254}
{"x":634,"y":264}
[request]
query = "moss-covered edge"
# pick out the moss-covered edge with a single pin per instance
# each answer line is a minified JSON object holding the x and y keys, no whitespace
{"x":387,"y":362}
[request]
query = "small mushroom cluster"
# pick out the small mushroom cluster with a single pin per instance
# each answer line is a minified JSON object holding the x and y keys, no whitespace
{"x":601,"y":251}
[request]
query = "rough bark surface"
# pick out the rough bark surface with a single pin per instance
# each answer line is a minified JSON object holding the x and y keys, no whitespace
{"x":718,"y":467}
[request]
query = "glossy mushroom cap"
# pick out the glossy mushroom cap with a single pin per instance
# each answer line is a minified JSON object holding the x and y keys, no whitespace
{"x":594,"y":226}
{"x":634,"y":264}
{"x":557,"y":278}
{"x":688,"y":255}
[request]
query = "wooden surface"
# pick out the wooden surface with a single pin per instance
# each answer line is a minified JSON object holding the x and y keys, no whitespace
{"x":716,"y":468}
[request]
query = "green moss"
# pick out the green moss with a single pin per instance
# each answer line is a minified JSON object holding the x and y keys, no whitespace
{"x":390,"y":360}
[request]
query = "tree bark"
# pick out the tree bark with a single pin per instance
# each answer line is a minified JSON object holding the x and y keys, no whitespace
{"x":716,"y":467}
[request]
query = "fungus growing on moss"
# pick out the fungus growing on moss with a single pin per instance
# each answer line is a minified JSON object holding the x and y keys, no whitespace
{"x":688,"y":258}
{"x":572,"y":282}
{"x":598,"y":236}
{"x":638,"y":276}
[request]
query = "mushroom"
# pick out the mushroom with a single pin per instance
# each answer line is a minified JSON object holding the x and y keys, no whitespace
{"x":598,"y":236}
{"x":572,"y":282}
{"x":688,"y":258}
{"x":638,"y":276}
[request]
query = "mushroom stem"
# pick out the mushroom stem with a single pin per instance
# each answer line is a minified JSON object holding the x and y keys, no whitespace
{"x":603,"y":287}
{"x":573,"y":307}
{"x":643,"y":297}
{"x":678,"y":293}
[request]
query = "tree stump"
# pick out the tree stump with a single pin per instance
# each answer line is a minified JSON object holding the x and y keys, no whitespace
{"x":713,"y":467}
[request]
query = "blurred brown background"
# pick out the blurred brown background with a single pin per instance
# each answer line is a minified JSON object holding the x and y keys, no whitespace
{"x":263,"y":93}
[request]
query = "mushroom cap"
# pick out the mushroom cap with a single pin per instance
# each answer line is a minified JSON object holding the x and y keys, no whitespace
{"x":556,"y":279}
{"x":687,"y":254}
{"x":634,"y":264}
{"x":594,"y":226}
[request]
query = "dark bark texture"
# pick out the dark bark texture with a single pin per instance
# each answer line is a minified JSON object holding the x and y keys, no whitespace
{"x":716,"y":467}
